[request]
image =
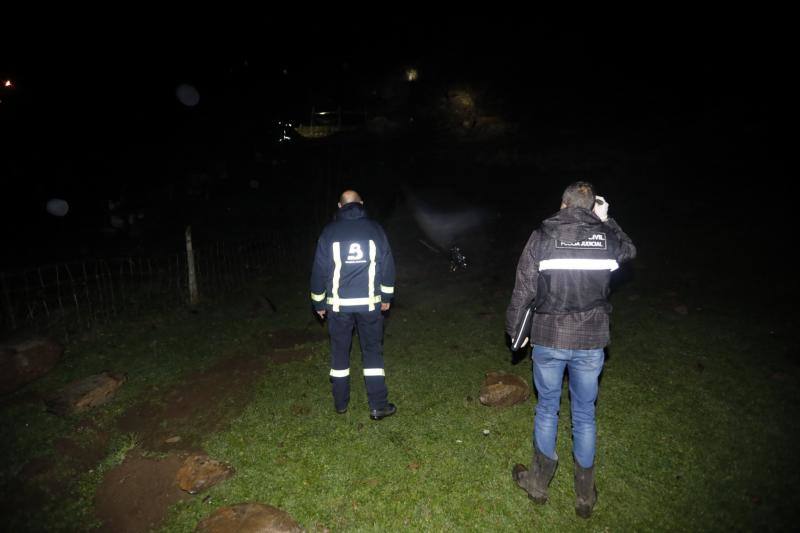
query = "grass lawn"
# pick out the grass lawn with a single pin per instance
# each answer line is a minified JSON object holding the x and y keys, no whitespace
{"x":695,"y":415}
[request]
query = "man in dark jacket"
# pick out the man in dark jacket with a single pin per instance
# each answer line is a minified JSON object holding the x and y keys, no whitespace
{"x":352,"y":283}
{"x":564,"y":274}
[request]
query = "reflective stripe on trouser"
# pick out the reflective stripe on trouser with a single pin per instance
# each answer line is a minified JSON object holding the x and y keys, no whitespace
{"x":370,"y":336}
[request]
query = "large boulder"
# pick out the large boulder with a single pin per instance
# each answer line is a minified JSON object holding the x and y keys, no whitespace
{"x":249,"y":518}
{"x":26,"y":361}
{"x":500,"y":389}
{"x":199,"y":472}
{"x":83,"y":394}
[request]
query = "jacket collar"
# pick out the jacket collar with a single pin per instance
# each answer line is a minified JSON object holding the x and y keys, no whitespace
{"x":572,"y":224}
{"x":351,"y":211}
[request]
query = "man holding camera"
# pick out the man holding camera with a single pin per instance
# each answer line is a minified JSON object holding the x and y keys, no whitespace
{"x":564,"y":274}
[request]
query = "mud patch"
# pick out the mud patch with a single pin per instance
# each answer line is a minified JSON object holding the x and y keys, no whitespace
{"x":203,"y":404}
{"x":23,"y":398}
{"x":83,"y":453}
{"x":300,"y":409}
{"x":287,"y":356}
{"x":290,"y":338}
{"x":136,"y":495}
{"x":23,"y":497}
{"x":43,"y":482}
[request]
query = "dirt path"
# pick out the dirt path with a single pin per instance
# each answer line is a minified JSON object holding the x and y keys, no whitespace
{"x":136,"y":495}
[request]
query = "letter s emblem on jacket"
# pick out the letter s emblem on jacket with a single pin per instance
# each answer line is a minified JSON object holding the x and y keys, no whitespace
{"x":355,"y":252}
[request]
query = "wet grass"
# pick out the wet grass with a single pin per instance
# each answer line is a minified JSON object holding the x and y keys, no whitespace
{"x":696,"y":422}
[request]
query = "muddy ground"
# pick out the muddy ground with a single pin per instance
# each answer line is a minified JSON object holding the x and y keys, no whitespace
{"x":168,"y":424}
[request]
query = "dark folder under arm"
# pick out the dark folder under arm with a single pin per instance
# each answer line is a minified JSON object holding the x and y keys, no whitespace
{"x":523,"y":331}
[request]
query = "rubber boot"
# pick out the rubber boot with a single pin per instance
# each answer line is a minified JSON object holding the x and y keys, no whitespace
{"x":536,"y":480}
{"x":585,"y":491}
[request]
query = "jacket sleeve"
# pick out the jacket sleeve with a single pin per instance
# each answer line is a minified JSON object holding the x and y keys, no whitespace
{"x":524,"y":292}
{"x":319,"y":273}
{"x":627,"y":250}
{"x":387,"y":269}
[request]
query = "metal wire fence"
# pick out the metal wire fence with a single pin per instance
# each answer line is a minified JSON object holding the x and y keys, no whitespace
{"x":80,"y":294}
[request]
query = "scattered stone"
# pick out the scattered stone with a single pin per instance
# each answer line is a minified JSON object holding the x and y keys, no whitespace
{"x":173,"y":440}
{"x":501,"y":389}
{"x":248,"y":518}
{"x":27,"y":361}
{"x":681,"y":309}
{"x":84,"y":394}
{"x":199,"y":472}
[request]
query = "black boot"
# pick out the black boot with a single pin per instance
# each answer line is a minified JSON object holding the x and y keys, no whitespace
{"x":536,"y":480}
{"x":378,"y":414}
{"x":585,"y":491}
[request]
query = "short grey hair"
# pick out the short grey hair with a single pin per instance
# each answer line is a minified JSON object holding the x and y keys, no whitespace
{"x":579,"y":194}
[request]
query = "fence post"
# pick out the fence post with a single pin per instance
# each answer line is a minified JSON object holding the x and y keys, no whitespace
{"x":193,"y":295}
{"x":44,"y":293}
{"x":9,"y":306}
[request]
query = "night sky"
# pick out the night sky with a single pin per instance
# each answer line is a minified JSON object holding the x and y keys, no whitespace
{"x":93,"y":114}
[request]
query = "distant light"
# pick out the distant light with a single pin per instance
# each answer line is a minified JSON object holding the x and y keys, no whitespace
{"x":187,"y":95}
{"x":57,"y":207}
{"x":117,"y":222}
{"x":411,"y":74}
{"x":8,"y":84}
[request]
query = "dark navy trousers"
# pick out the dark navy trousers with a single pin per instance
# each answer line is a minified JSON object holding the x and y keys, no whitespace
{"x":370,"y":335}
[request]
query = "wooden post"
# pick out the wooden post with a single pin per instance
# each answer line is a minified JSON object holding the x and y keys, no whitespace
{"x":194,"y":297}
{"x":9,"y":306}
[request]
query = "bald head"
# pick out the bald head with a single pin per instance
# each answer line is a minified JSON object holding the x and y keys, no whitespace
{"x":348,"y":197}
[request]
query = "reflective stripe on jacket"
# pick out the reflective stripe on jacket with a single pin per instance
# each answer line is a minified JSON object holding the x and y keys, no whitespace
{"x":353,"y":267}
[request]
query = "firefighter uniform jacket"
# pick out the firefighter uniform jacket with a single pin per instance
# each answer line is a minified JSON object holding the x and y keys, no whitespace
{"x":353,"y":268}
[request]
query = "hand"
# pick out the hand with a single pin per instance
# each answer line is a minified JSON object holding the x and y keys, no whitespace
{"x":601,"y":208}
{"x":385,"y":306}
{"x":321,"y":313}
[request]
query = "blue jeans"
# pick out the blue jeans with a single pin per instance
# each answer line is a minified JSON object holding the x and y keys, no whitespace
{"x":584,"y":367}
